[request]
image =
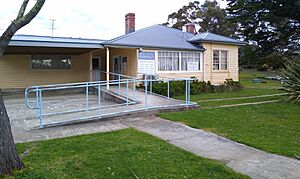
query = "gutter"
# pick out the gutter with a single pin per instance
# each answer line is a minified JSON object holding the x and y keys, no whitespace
{"x":151,"y":47}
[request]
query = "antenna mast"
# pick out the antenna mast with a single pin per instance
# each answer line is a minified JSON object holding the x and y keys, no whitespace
{"x":52,"y":26}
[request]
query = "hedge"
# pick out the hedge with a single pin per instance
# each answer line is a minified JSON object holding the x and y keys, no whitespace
{"x":177,"y":88}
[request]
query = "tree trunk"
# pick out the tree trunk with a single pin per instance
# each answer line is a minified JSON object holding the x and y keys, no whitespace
{"x":6,"y":37}
{"x":9,"y":158}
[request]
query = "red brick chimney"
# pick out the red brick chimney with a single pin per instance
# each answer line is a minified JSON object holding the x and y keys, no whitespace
{"x":129,"y":23}
{"x":190,"y":27}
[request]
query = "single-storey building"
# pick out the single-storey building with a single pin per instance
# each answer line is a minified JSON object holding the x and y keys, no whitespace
{"x":158,"y":50}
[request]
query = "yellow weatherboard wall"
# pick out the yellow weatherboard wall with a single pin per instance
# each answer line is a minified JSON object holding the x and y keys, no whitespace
{"x":16,"y":72}
{"x":131,"y":54}
{"x":219,"y":76}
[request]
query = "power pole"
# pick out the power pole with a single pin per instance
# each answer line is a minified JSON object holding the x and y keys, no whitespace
{"x":52,"y":26}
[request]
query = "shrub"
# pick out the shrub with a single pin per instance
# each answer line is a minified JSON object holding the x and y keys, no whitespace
{"x":291,"y":82}
{"x":177,"y":88}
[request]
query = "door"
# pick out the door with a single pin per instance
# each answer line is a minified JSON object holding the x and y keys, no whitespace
{"x":117,"y":64}
{"x":120,"y":65}
{"x":96,"y":69}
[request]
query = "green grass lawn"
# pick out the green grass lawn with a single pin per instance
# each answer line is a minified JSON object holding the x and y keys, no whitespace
{"x":118,"y":154}
{"x":246,"y":77}
{"x":271,"y":127}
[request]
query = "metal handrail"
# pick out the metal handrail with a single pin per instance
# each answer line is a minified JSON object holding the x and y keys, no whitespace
{"x":117,"y":74}
{"x":97,"y":84}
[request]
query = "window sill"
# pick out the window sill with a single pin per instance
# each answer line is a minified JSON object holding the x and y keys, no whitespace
{"x":220,"y":71}
{"x":179,"y":71}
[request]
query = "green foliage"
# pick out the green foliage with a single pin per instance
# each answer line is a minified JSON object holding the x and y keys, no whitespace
{"x":249,"y":59}
{"x":274,"y":25}
{"x":209,"y":17}
{"x":292,"y":79}
{"x":178,"y":88}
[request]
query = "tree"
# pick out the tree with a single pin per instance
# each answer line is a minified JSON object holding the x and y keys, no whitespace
{"x":215,"y":20}
{"x":209,"y":17}
{"x":274,"y":25}
{"x":9,"y":159}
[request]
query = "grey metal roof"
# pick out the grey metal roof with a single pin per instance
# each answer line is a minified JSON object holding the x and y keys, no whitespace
{"x":47,"y":41}
{"x":156,"y":36}
{"x":211,"y":37}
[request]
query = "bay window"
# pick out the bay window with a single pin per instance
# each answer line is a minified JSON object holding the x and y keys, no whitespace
{"x":168,"y":61}
{"x":190,"y":61}
{"x":179,"y":61}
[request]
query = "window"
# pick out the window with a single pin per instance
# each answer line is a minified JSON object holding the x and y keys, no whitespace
{"x":168,"y":61}
{"x":220,"y":60}
{"x":50,"y":62}
{"x":179,"y":61}
{"x":190,"y":61}
{"x":96,"y":63}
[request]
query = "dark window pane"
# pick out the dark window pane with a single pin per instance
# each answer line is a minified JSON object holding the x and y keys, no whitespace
{"x":50,"y":62}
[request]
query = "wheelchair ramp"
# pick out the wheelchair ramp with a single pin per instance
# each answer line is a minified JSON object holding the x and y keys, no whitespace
{"x":95,"y":101}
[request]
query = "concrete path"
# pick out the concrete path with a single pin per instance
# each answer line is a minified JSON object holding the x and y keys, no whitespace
{"x":245,"y":104}
{"x":242,"y":97}
{"x":241,"y":158}
{"x":22,"y":134}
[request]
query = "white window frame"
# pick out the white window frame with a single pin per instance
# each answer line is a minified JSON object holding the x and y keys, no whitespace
{"x":179,"y":59}
{"x":212,"y":60}
{"x":180,"y":71}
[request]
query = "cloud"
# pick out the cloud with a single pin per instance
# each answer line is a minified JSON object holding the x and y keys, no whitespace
{"x":91,"y":18}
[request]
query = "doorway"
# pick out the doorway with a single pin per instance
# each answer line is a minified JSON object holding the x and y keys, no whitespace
{"x":120,"y":65}
{"x":96,"y":74}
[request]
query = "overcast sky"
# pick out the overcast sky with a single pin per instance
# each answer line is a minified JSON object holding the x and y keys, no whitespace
{"x":90,"y":18}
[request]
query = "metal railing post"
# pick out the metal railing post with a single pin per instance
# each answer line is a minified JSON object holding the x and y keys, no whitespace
{"x":119,"y":84}
{"x":168,"y":89}
{"x":87,"y":97}
{"x":41,"y":108}
{"x":146,"y":91}
{"x":37,"y":103}
{"x":134,"y":88}
{"x":99,"y":99}
{"x":126,"y":92}
{"x":189,"y":93}
{"x":186,"y":92}
{"x":150,"y":84}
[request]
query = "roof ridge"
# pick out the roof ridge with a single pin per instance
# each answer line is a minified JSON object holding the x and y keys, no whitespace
{"x":202,"y":36}
{"x":129,"y":34}
{"x":58,"y":37}
{"x":219,"y":35}
{"x":176,"y":29}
